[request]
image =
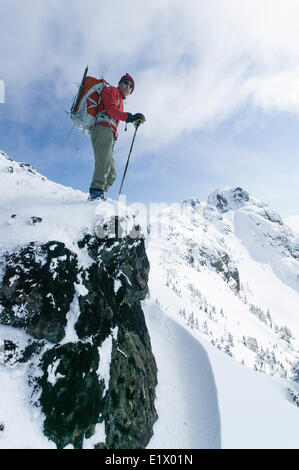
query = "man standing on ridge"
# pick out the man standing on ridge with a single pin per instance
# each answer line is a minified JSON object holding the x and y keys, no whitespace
{"x":104,"y":134}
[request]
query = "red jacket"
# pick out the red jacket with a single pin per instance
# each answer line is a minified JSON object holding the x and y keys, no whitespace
{"x":113,"y":105}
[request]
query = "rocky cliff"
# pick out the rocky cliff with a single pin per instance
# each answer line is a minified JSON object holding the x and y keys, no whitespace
{"x":80,"y":338}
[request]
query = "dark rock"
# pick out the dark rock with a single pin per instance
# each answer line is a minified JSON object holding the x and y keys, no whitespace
{"x":124,"y":260}
{"x":97,"y":308}
{"x":15,"y":355}
{"x":222,"y":202}
{"x":129,"y":403}
{"x":272,"y":216}
{"x":38,"y":288}
{"x":33,"y":348}
{"x":11,"y":353}
{"x":129,"y":410}
{"x":71,"y":393}
{"x":35,"y":220}
{"x":219,"y":260}
{"x":224,"y":266}
{"x":28,"y":167}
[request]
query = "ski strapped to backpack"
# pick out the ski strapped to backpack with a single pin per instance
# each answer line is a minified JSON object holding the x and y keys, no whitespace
{"x":86,"y":102}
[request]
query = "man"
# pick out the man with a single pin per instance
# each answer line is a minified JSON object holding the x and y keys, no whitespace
{"x":110,"y":112}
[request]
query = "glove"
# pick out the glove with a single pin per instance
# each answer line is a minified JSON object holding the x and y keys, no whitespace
{"x":136,"y":117}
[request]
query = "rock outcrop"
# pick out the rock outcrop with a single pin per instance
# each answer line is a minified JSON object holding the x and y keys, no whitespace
{"x":87,"y":349}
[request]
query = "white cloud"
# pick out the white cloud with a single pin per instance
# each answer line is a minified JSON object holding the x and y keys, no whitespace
{"x":195,"y":63}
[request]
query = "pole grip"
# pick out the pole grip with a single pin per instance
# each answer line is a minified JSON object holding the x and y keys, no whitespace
{"x":137,"y":123}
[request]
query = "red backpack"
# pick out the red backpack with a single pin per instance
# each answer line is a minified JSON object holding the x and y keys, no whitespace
{"x":86,"y":102}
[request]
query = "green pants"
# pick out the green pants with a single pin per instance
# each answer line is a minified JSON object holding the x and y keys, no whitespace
{"x":102,"y":138}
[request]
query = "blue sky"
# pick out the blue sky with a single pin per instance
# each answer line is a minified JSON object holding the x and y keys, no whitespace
{"x":218,"y":82}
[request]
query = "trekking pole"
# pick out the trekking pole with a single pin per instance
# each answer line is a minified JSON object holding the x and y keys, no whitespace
{"x":136,"y":124}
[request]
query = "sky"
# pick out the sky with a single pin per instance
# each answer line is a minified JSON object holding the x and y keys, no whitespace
{"x":218,"y":82}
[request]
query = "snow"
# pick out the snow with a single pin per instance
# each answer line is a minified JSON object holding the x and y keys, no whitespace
{"x":105,"y":351}
{"x":121,"y":352}
{"x":117,"y":285}
{"x":98,"y":436}
{"x":202,"y":329}
{"x":53,"y":376}
{"x":293,"y":222}
{"x":187,"y":403}
{"x":255,"y":410}
{"x":215,"y":402}
{"x":22,"y":423}
{"x":72,"y":318}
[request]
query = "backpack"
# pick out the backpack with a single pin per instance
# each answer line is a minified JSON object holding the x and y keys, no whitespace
{"x":86,"y":102}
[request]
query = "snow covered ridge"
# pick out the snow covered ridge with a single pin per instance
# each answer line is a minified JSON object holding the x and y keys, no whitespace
{"x":10,"y":166}
{"x":226,"y":199}
{"x":230,"y":271}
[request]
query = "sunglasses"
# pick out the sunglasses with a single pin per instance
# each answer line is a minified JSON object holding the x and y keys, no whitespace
{"x":126,"y":82}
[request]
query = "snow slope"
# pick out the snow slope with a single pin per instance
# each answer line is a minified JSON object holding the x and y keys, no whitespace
{"x":293,"y":222}
{"x":205,"y":398}
{"x":187,"y":402}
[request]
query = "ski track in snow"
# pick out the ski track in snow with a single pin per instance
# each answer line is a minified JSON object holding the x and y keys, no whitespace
{"x":187,"y":402}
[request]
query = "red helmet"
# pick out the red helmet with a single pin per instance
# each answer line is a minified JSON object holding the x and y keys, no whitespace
{"x":129,"y":78}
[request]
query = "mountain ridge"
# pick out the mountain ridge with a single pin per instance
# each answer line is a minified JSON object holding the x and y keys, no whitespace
{"x":232,"y":247}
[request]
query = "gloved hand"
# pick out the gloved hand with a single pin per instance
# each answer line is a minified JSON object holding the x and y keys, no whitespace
{"x":136,"y":117}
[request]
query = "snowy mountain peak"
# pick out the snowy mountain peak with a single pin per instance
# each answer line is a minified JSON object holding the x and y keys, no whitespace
{"x":229,"y":198}
{"x":232,"y":199}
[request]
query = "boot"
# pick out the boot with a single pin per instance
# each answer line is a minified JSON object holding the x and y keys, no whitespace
{"x":96,"y":194}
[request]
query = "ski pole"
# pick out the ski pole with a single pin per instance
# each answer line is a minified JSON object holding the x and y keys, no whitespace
{"x":137,"y":124}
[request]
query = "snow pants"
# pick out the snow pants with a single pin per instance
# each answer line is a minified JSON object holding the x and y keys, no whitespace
{"x":102,"y":138}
